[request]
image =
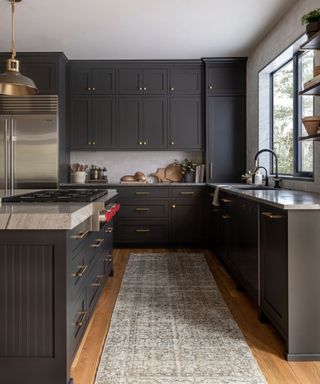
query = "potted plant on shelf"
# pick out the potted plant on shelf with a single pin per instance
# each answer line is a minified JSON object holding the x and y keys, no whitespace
{"x":312,"y":22}
{"x":188,"y":168}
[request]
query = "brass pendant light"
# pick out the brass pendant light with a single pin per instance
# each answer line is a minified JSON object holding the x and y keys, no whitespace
{"x":12,"y":83}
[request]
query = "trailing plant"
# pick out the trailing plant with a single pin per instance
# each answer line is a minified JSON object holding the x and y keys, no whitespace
{"x":311,"y":16}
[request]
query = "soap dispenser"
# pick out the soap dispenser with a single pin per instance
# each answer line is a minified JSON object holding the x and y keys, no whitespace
{"x":258,"y":178}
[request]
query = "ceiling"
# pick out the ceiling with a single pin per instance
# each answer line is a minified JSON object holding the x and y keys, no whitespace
{"x":141,"y":29}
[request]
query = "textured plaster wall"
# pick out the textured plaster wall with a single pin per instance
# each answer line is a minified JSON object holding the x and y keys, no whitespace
{"x":127,"y":163}
{"x":276,"y":41}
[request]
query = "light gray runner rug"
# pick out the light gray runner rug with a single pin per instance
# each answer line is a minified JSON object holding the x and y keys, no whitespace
{"x":170,"y":325}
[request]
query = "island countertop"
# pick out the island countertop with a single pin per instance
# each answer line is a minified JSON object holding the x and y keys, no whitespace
{"x":45,"y":216}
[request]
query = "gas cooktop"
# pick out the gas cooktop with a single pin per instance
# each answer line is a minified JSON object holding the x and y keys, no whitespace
{"x":57,"y":196}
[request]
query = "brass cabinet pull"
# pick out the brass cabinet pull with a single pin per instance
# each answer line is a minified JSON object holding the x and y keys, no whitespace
{"x":173,"y":205}
{"x":142,"y":209}
{"x":81,"y":318}
{"x":140,"y":142}
{"x":144,"y":143}
{"x":89,"y":89}
{"x":142,"y":230}
{"x":145,"y":88}
{"x":142,"y":193}
{"x":108,"y":258}
{"x":272,"y":215}
{"x":172,"y":89}
{"x":80,"y":235}
{"x":93,"y":89}
{"x":172,"y":143}
{"x":210,"y":87}
{"x":89,"y":142}
{"x":109,"y":230}
{"x":226,"y":217}
{"x":140,"y":88}
{"x":226,"y":201}
{"x":98,"y":282}
{"x":97,"y":244}
{"x":186,"y":193}
{"x":81,"y":271}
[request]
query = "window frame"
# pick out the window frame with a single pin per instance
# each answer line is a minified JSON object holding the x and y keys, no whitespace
{"x":297,"y":114}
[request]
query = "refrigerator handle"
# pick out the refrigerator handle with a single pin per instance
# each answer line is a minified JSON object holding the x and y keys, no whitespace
{"x":12,"y":157}
{"x":6,"y":154}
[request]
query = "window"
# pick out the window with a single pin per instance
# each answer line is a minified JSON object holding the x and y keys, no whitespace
{"x":287,"y":109}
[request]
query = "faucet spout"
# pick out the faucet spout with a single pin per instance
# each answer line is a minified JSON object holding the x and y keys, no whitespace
{"x":277,"y":180}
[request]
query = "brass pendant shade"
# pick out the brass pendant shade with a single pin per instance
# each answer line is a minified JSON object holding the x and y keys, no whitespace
{"x":12,"y":83}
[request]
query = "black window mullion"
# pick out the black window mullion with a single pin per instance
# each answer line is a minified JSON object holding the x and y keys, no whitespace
{"x":296,"y":114}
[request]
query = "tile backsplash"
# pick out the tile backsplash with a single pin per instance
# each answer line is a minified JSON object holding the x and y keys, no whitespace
{"x":123,"y":163}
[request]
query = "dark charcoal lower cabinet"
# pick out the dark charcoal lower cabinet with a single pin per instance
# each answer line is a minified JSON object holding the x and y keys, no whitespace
{"x":274,"y":266}
{"x":50,"y":282}
{"x":248,"y":246}
{"x":160,"y":215}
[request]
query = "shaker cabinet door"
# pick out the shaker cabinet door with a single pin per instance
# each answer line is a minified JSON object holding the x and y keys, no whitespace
{"x":226,"y":79}
{"x":184,"y":81}
{"x":80,"y":80}
{"x":104,"y":122}
{"x":155,"y":81}
{"x":185,"y":123}
{"x":103,"y":81}
{"x":155,"y":122}
{"x":130,"y":81}
{"x":130,"y":115}
{"x":81,"y":137}
{"x":226,"y":145}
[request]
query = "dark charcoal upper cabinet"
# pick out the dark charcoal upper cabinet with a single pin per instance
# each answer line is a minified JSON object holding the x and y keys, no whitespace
{"x":274,"y":266}
{"x":248,"y":222}
{"x":142,"y":122}
{"x":93,"y":123}
{"x":143,"y":81}
{"x":130,"y":115}
{"x":43,"y":75}
{"x":223,"y":78}
{"x":225,"y":119}
{"x":185,"y":123}
{"x":226,"y":138}
{"x":184,"y":81}
{"x":155,"y":122}
{"x":91,"y":79}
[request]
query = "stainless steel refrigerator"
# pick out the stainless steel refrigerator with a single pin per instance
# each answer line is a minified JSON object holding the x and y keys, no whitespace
{"x":29,"y":143}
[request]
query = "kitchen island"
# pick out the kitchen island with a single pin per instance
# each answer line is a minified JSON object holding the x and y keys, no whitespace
{"x":53,"y":266}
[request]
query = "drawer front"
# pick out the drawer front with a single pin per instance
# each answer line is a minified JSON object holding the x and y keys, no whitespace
{"x":227,"y":200}
{"x":79,"y":271}
{"x":95,"y":283}
{"x":144,"y":209}
{"x":142,"y":231}
{"x":96,"y":243}
{"x":78,"y":235}
{"x":143,"y":192}
{"x":78,"y":321}
{"x":186,"y":192}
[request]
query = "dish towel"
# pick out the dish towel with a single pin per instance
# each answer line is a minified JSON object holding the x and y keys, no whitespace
{"x":215,"y":199}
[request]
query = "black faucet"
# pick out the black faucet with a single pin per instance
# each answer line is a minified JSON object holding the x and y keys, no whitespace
{"x":266,"y":178}
{"x":276,"y":179}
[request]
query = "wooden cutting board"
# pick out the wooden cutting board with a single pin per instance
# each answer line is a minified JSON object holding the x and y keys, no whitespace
{"x":173,"y":172}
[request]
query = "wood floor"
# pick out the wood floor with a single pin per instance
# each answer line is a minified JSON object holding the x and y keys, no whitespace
{"x":266,"y":345}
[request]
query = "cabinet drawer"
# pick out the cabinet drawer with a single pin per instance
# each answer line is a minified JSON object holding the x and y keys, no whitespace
{"x":186,"y":192}
{"x":227,"y":200}
{"x":79,"y":271}
{"x":96,"y":244}
{"x":143,"y":192}
{"x":144,"y":209}
{"x":78,"y":321}
{"x":142,"y":232}
{"x":78,"y":235}
{"x":95,"y":283}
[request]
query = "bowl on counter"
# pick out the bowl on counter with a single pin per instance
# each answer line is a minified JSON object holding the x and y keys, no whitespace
{"x":311,"y":124}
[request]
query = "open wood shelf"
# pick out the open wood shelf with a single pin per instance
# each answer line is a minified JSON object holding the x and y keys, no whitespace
{"x":312,"y":43}
{"x":313,"y":90}
{"x":311,"y":137}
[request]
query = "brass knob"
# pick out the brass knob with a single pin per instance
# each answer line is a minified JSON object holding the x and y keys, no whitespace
{"x":89,"y":89}
{"x":93,"y":143}
{"x":140,"y":89}
{"x":173,"y":206}
{"x":171,"y":89}
{"x":89,"y":142}
{"x":140,"y":142}
{"x":172,"y":143}
{"x":210,"y":87}
{"x":144,"y":143}
{"x":93,"y":89}
{"x":144,"y":88}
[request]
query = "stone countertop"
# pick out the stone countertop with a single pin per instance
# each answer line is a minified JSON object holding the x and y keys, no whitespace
{"x":45,"y":216}
{"x":280,"y":198}
{"x":116,"y":185}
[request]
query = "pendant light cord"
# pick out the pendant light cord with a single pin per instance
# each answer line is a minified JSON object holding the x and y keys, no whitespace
{"x":13,"y":44}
